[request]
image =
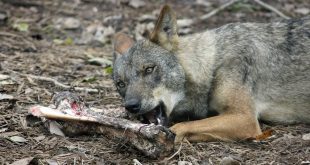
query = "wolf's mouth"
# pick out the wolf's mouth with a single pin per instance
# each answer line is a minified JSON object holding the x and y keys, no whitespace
{"x":156,"y":116}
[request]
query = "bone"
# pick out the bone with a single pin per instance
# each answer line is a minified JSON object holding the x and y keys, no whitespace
{"x":154,"y":141}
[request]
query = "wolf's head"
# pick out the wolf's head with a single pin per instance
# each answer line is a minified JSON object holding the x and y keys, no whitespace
{"x":147,"y":73}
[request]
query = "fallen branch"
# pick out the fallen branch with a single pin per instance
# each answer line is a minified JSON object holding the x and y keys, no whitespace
{"x":224,"y":6}
{"x":265,"y":5}
{"x":215,"y":11}
{"x":59,"y":84}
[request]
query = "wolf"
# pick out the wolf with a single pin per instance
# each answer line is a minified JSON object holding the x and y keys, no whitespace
{"x":217,"y":84}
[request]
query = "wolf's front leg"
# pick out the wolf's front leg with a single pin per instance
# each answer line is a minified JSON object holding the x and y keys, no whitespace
{"x":237,"y":120}
{"x":225,"y":127}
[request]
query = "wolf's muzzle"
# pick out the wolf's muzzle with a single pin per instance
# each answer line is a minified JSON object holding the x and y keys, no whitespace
{"x":133,"y":105}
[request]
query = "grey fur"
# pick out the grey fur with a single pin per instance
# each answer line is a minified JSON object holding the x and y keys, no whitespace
{"x":130,"y":67}
{"x":274,"y":60}
{"x":271,"y":60}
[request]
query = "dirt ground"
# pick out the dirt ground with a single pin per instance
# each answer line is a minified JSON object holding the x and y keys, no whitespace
{"x":59,"y":39}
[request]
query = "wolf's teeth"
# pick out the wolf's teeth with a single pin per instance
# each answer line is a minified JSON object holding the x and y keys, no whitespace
{"x":158,"y":121}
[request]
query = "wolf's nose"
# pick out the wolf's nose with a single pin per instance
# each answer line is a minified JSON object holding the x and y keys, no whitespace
{"x":132,"y":105}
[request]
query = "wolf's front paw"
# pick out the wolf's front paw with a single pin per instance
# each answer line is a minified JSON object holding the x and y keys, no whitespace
{"x":180,"y":131}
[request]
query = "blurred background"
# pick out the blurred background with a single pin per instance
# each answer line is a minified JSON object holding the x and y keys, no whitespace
{"x":92,"y":22}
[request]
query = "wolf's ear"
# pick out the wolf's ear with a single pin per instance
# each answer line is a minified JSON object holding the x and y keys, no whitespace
{"x":122,"y":43}
{"x":165,"y":33}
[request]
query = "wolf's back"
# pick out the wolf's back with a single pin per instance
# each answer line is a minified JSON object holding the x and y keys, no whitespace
{"x":272,"y":59}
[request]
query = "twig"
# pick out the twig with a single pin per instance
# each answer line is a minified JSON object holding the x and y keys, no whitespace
{"x":21,"y":3}
{"x":224,"y":6}
{"x":193,"y":148}
{"x":17,"y":36}
{"x":8,"y":34}
{"x":178,"y":151}
{"x":215,"y":11}
{"x":57,"y":83}
{"x":265,"y":5}
{"x":3,"y":55}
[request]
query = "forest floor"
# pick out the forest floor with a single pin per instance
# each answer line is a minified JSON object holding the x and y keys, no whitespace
{"x":63,"y":40}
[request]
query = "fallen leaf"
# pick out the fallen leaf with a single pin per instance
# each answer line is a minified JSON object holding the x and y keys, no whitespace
{"x":229,"y":161}
{"x":3,"y":129}
{"x":266,"y":134}
{"x":146,"y":18}
{"x":54,"y":128}
{"x":96,"y":34}
{"x":289,"y":136}
{"x":184,"y":163}
{"x":289,"y":7}
{"x":39,"y":138}
{"x":136,"y":3}
{"x":23,"y":122}
{"x":113,"y":18}
{"x":306,"y":136}
{"x":68,"y":41}
{"x":28,"y":91}
{"x":57,"y":41}
{"x":24,"y":161}
{"x":51,"y":162}
{"x":205,"y":3}
{"x":6,"y":97}
{"x":8,"y":134}
{"x":100,"y":62}
{"x":3,"y":18}
{"x":143,"y":29}
{"x":68,"y":23}
{"x":4,"y":77}
{"x":182,"y":23}
{"x":184,"y":31}
{"x":307,"y":162}
{"x":71,"y":23}
{"x":7,"y":82}
{"x":18,"y":139}
{"x":108,"y":70}
{"x":21,"y":26}
{"x":303,"y":11}
{"x":89,"y":79}
{"x":285,"y":137}
{"x":103,"y":33}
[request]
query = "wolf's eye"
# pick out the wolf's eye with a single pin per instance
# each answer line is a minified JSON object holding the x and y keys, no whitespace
{"x":120,"y":84}
{"x":149,"y":70}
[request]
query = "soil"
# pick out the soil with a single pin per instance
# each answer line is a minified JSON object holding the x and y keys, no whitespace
{"x":36,"y":51}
